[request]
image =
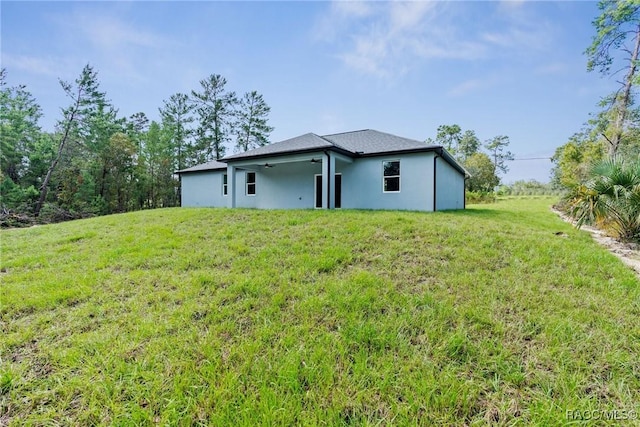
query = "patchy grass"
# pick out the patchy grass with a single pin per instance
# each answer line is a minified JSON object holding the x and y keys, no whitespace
{"x":246,"y":317}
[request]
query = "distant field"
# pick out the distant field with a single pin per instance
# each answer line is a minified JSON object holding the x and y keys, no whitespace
{"x":500,"y":314}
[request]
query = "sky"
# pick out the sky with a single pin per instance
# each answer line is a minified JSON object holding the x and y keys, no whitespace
{"x":513,"y":68}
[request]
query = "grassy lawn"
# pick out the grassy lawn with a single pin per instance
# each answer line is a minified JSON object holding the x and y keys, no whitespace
{"x":247,"y":317}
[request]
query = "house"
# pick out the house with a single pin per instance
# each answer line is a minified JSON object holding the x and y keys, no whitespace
{"x":363,"y":169}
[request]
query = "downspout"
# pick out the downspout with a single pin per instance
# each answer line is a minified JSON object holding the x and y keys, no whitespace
{"x":435,"y":158}
{"x":464,"y":192}
{"x":328,"y":179}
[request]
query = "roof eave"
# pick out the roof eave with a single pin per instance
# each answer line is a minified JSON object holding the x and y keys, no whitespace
{"x":284,"y":153}
{"x":437,"y":148}
{"x":183,"y":171}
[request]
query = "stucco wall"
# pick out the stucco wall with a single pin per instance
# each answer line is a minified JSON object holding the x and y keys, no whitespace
{"x":449,"y":187}
{"x":287,"y":186}
{"x":203,"y":189}
{"x":362,"y":183}
{"x":292,"y":185}
{"x":242,"y":199}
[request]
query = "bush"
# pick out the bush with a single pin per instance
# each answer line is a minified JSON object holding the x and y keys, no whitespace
{"x":14,"y":197}
{"x":610,"y":198}
{"x":476,"y":197}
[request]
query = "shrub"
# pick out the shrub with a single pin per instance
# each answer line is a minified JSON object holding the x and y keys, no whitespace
{"x":610,"y":198}
{"x":475,"y":197}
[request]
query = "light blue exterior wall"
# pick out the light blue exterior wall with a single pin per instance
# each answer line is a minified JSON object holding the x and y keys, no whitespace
{"x":202,"y":189}
{"x":362,"y":183}
{"x":243,"y":200}
{"x":292,"y":185}
{"x":287,"y":186}
{"x":449,"y":187}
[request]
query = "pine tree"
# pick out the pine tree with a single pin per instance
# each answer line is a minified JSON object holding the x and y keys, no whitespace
{"x":216,"y":111}
{"x":253,"y":130}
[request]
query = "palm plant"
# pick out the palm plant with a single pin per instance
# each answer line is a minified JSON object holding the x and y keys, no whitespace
{"x":610,"y":198}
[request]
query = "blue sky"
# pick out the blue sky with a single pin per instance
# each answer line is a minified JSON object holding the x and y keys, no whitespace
{"x":512,"y":68}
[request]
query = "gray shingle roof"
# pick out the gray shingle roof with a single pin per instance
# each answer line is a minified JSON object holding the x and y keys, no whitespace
{"x":209,"y":166}
{"x":361,"y":142}
{"x":370,"y":141}
{"x":308,"y":141}
{"x":357,"y":143}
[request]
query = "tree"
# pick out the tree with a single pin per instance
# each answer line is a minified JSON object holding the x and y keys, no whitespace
{"x":252,"y":115}
{"x":216,"y":110}
{"x":610,"y":197}
{"x":157,"y":158}
{"x":96,"y":139}
{"x":19,"y":129}
{"x":177,"y":118}
{"x":528,"y":187}
{"x":468,"y":145}
{"x":40,"y":156}
{"x":449,"y":137}
{"x":573,"y":160}
{"x":137,"y":124}
{"x":136,"y":127}
{"x":482,"y":171}
{"x":616,"y":26}
{"x":118,"y":161}
{"x":85,"y":96}
{"x":497,"y":146}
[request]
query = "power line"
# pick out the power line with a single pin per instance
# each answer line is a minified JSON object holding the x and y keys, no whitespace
{"x":534,"y":158}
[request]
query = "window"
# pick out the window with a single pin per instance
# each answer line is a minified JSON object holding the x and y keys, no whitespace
{"x":224,"y":184}
{"x":391,"y":176}
{"x":251,"y":183}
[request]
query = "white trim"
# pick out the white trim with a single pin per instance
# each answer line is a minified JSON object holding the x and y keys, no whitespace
{"x":392,"y":176}
{"x":247,"y":183}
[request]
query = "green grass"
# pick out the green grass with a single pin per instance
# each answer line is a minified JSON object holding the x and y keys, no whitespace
{"x":247,"y":317}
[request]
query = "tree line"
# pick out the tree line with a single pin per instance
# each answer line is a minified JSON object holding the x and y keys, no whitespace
{"x":598,"y":168}
{"x":97,"y":162}
{"x":484,"y":162}
{"x":612,"y":131}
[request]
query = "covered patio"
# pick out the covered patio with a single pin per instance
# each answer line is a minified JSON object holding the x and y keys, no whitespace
{"x":313,"y":179}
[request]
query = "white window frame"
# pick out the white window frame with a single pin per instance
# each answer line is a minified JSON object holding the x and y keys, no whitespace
{"x":247,"y":184}
{"x":384,"y":177}
{"x":225,"y":185}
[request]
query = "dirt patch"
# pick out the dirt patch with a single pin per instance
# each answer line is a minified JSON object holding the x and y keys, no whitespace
{"x":629,"y":253}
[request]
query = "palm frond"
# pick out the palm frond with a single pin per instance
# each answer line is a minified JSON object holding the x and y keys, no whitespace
{"x":611,"y":196}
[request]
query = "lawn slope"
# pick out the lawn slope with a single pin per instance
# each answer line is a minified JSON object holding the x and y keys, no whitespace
{"x":498,"y":314}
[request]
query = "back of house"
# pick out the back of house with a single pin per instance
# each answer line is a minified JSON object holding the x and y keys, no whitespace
{"x":364,"y":169}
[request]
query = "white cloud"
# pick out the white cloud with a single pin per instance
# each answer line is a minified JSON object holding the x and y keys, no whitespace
{"x":522,"y":38}
{"x":519,"y":28}
{"x":112,"y":33}
{"x":31,"y":64}
{"x":409,"y":16}
{"x":351,"y":8}
{"x":386,"y":39}
{"x":105,"y":38}
{"x":341,"y":15}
